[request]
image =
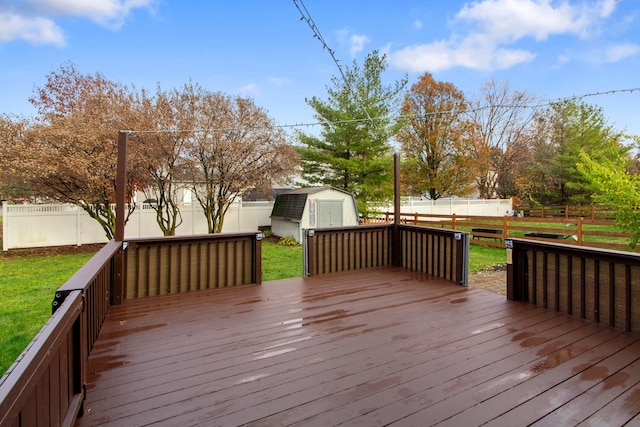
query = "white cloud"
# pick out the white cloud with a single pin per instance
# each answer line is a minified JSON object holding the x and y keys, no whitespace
{"x":354,"y":42}
{"x":108,"y":13}
{"x":249,"y":90}
{"x":417,"y":24}
{"x":34,"y":30}
{"x":37,"y":25}
{"x":621,"y":51}
{"x":485,"y":31}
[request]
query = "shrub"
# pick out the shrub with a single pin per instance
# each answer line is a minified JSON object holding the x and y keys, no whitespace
{"x":287,"y":241}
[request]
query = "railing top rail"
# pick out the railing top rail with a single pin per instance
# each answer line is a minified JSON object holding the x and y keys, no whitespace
{"x":35,"y":358}
{"x":352,"y":228}
{"x":173,"y":239}
{"x":587,"y":252}
{"x":83,"y":277}
{"x":433,"y":230}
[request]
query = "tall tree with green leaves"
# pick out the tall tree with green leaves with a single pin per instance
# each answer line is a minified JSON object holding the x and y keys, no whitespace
{"x":436,"y":141}
{"x":614,"y":186}
{"x":565,"y":130}
{"x":353,"y":152}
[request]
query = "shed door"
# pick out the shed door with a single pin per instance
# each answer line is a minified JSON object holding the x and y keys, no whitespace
{"x":329,"y":213}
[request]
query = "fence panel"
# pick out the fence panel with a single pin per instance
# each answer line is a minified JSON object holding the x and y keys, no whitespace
{"x":27,"y":226}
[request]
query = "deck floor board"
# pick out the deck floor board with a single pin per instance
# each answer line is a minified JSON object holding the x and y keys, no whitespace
{"x":372,"y":347}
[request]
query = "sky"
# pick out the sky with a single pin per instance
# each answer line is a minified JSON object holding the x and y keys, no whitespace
{"x":263,"y":49}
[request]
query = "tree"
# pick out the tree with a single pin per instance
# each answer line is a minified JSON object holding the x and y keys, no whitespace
{"x":164,"y":158}
{"x":564,"y":130}
{"x":615,"y":187}
{"x":70,"y":154}
{"x":353,"y":151}
{"x":235,"y":148}
{"x":436,"y":140}
{"x":12,"y":137}
{"x":501,"y":117}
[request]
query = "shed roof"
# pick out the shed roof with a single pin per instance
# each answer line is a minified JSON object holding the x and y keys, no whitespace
{"x":289,"y":206}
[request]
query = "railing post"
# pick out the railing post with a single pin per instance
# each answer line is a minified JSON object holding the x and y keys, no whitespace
{"x":453,"y":221}
{"x":310,"y":253}
{"x":257,"y":262}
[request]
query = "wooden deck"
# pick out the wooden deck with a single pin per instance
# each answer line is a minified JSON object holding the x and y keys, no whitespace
{"x":372,"y":347}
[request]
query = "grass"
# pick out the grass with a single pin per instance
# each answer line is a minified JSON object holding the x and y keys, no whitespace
{"x":280,"y":262}
{"x":25,"y":297}
{"x":485,"y":257}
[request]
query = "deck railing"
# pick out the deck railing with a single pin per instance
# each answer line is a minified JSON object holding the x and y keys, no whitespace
{"x":174,"y":265}
{"x":438,"y":252}
{"x":338,"y":249}
{"x":46,"y":383}
{"x":45,"y":386}
{"x":594,"y":284}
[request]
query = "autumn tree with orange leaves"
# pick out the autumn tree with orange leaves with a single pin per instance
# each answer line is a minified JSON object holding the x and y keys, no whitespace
{"x":436,"y":141}
{"x":70,"y":153}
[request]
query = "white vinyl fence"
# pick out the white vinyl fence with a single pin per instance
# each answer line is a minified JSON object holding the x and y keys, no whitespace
{"x":28,"y":226}
{"x":468,"y":207}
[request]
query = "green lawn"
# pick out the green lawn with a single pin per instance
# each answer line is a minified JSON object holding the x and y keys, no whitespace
{"x":25,"y":297}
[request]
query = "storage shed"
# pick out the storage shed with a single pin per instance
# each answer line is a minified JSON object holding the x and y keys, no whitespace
{"x":312,"y":207}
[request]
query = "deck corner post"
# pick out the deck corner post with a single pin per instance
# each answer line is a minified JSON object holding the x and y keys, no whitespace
{"x":118,"y":275}
{"x":257,"y":253}
{"x":508,"y":243}
{"x":309,"y":253}
{"x":516,"y":274}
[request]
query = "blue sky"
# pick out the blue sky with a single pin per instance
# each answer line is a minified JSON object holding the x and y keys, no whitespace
{"x":261,"y":48}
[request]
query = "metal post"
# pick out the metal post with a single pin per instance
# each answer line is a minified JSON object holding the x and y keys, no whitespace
{"x":121,"y":184}
{"x":117,"y":284}
{"x":396,"y":255}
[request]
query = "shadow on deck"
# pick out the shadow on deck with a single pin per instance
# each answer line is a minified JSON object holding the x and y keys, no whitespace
{"x":376,"y":346}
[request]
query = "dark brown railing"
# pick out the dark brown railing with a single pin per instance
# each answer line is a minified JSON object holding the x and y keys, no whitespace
{"x":45,"y":386}
{"x":173,"y":265}
{"x":46,"y":383}
{"x":595,"y":284}
{"x":331,"y":250}
{"x":438,"y":252}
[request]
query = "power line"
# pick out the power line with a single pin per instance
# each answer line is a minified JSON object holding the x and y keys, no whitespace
{"x":306,"y":16}
{"x":531,"y":105}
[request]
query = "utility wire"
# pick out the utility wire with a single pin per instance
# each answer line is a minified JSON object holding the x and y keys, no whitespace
{"x":531,"y":105}
{"x":306,"y":16}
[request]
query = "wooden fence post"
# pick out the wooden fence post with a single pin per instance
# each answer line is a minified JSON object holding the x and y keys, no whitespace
{"x":505,"y":227}
{"x":580,"y":231}
{"x":453,"y":221}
